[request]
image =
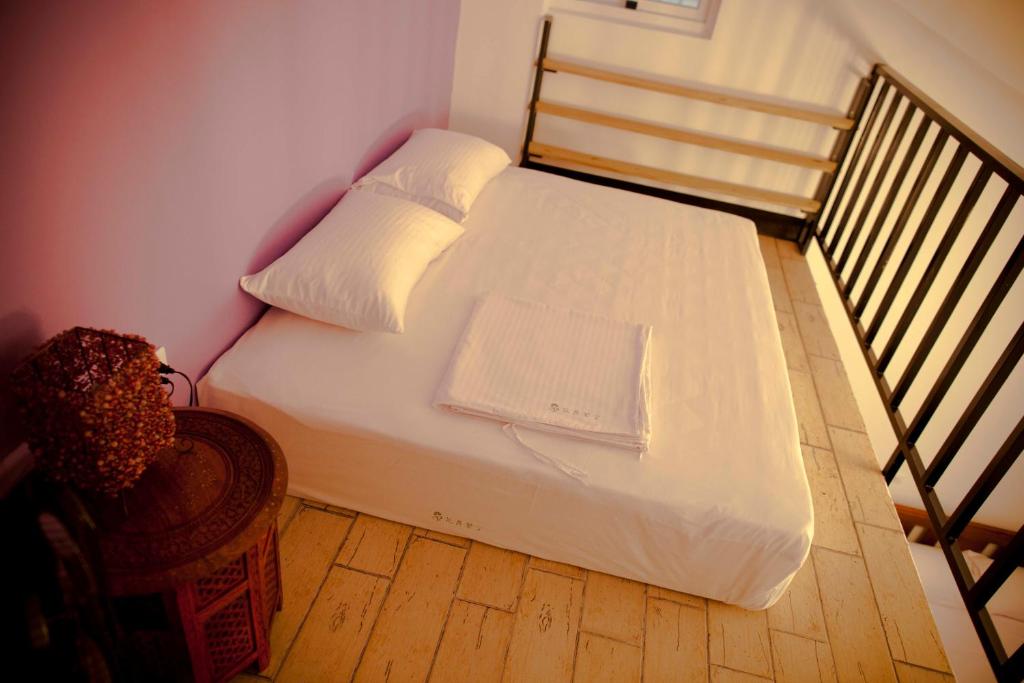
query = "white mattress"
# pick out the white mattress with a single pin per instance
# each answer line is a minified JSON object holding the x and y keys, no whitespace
{"x":720,"y":504}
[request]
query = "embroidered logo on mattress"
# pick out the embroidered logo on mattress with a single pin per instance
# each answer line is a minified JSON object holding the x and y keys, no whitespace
{"x":441,"y":517}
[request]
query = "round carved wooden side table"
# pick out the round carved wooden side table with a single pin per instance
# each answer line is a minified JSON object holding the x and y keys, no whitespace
{"x":190,"y":552}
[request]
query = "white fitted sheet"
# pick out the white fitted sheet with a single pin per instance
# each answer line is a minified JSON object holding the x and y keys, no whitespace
{"x":720,"y":504}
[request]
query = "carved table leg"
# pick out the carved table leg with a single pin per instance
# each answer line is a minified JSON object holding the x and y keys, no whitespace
{"x":188,"y":620}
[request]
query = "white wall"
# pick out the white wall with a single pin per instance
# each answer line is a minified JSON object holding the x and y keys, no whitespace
{"x":789,"y":52}
{"x":495,"y":48}
{"x":968,"y":56}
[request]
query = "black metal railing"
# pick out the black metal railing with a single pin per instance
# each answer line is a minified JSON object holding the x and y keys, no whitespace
{"x":861,"y":252}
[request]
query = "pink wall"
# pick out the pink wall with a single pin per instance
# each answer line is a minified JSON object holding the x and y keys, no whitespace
{"x":154,"y":152}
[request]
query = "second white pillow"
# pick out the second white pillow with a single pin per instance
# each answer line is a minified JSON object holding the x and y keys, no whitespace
{"x":357,"y":267}
{"x":438,"y":168}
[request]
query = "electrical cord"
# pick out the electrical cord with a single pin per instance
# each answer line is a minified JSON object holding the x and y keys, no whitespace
{"x":193,"y":399}
{"x":164,"y":380}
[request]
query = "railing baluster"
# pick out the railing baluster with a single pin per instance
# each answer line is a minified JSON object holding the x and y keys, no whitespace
{"x":890,"y":198}
{"x":869,"y":163}
{"x":852,"y":166}
{"x":942,"y":316}
{"x":893,"y":464}
{"x":1000,"y":570}
{"x":934,"y":266}
{"x":876,"y":185}
{"x":840,"y":148}
{"x":901,"y":221}
{"x":1013,"y":668}
{"x":985,"y":484}
{"x":977,"y":407}
{"x":1000,"y":288}
{"x":945,"y":185}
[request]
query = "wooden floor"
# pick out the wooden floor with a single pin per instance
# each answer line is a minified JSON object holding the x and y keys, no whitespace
{"x":373,"y":600}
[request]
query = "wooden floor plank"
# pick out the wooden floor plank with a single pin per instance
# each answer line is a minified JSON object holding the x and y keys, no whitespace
{"x":814,"y":330}
{"x":787,"y":249}
{"x":333,"y":636}
{"x":865,"y":486}
{"x":451,"y":539}
{"x":859,"y":647}
{"x":720,"y":674}
{"x":838,"y":405}
{"x":799,"y":609}
{"x":780,"y":294}
{"x":603,"y":660}
{"x":544,"y":635}
{"x":289,"y":506}
{"x":675,"y":643}
{"x":808,"y":411}
{"x":374,"y":545}
{"x":738,"y":639}
{"x":912,"y":674}
{"x":769,"y":252}
{"x":833,"y":527}
{"x":341,"y":511}
{"x":307,"y":549}
{"x":675,"y":596}
{"x":801,"y":660}
{"x":614,"y":608}
{"x":799,"y":281}
{"x":407,"y":632}
{"x":909,"y":626}
{"x":473,"y":646}
{"x":492,"y":576}
{"x":557,"y":568}
{"x":792,"y":344}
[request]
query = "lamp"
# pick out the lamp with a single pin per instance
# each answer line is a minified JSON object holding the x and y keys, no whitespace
{"x":93,"y":407}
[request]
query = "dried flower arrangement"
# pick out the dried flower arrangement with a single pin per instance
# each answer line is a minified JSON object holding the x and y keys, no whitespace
{"x":94,"y":409}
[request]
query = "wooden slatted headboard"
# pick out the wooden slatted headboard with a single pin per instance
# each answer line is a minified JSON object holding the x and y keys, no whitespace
{"x":594,"y":168}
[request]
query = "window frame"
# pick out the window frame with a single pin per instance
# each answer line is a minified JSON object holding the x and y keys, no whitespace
{"x":648,"y":14}
{"x":671,"y":9}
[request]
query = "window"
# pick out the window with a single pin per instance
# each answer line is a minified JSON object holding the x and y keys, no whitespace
{"x":653,"y":4}
{"x":693,"y":17}
{"x":683,"y":9}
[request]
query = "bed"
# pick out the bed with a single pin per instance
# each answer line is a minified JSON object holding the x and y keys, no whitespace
{"x":719,"y":506}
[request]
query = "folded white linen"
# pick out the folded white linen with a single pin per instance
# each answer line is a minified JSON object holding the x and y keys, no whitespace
{"x":553,"y":370}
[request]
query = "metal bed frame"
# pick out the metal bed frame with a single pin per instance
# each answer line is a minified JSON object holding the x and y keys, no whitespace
{"x":836,"y":217}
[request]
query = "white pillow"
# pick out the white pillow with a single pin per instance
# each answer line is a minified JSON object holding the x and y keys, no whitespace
{"x":357,"y":267}
{"x":440,"y":169}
